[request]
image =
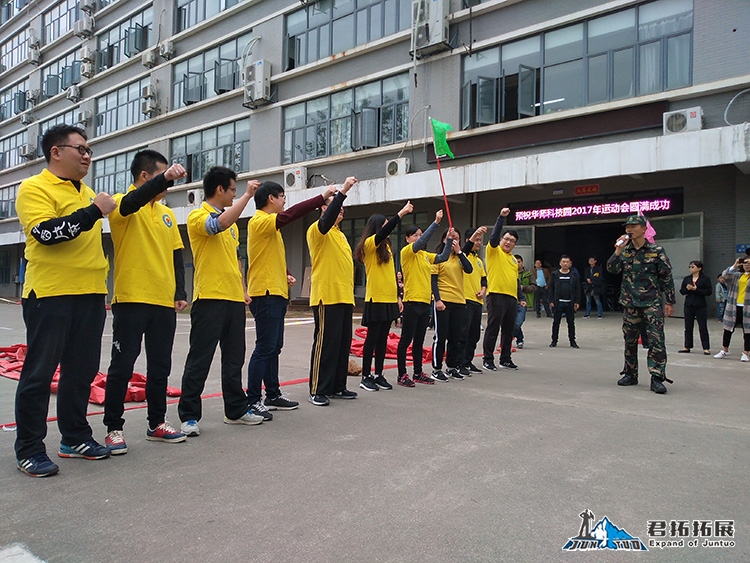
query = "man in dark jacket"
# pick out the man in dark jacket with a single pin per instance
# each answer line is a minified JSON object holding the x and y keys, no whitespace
{"x":564,"y":297}
{"x":593,"y":286}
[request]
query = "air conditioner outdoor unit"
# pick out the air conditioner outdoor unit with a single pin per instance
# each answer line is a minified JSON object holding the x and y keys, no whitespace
{"x":88,"y":70}
{"x":88,"y":55}
{"x":73,"y":93}
{"x":35,"y":57}
{"x":32,"y":96}
{"x":27,"y":151}
{"x":2,"y":68}
{"x":34,"y":40}
{"x":84,"y":27}
{"x":148,"y":92}
{"x":88,"y":6}
{"x":295,"y":178}
{"x":690,"y":119}
{"x":194,"y":197}
{"x":27,"y":118}
{"x":148,"y":59}
{"x":397,"y":167}
{"x":429,"y":21}
{"x":166,"y":49}
{"x":83,"y":116}
{"x":257,"y":80}
{"x":149,"y":107}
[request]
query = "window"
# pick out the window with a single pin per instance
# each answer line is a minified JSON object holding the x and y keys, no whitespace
{"x":327,"y":27}
{"x":370,"y":115}
{"x":7,"y":11}
{"x":13,"y":100}
{"x":61,"y":74}
{"x":620,"y":55}
{"x":226,"y":145}
{"x":112,"y":174}
{"x":191,"y":12}
{"x":127,"y":39}
{"x":8,"y":201}
{"x":120,"y":108}
{"x":9,"y":149}
{"x":59,"y":20}
{"x":14,"y":51}
{"x":208,"y":74}
{"x":67,"y":117}
{"x":4,"y":260}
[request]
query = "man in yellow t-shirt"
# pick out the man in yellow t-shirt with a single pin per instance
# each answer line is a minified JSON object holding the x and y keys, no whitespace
{"x":149,"y":290}
{"x":268,"y":284}
{"x":503,"y":294}
{"x":63,"y":300}
{"x":332,"y":301}
{"x":219,"y":298}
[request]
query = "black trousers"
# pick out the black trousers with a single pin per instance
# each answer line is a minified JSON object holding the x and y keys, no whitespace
{"x":376,"y":342}
{"x":501,"y":318}
{"x":133,"y":321}
{"x":415,"y":318}
{"x":332,"y":340}
{"x":570,"y":317}
{"x":473,"y":331}
{"x":450,"y":326}
{"x":701,"y":315}
{"x":214,"y":321}
{"x":727,"y":336}
{"x":64,"y":330}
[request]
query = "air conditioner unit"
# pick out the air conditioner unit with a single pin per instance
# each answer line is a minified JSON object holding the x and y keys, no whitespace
{"x":88,"y":70}
{"x":148,"y":92}
{"x":27,"y":151}
{"x":84,"y":27}
{"x":690,"y":119}
{"x":397,"y":167}
{"x":88,"y":6}
{"x":88,"y":55}
{"x":34,"y":57}
{"x":295,"y":178}
{"x":2,"y":68}
{"x":149,"y":107}
{"x":194,"y":198}
{"x":166,"y":49}
{"x":34,"y":40}
{"x":429,"y":21}
{"x":83,"y":116}
{"x":148,"y":59}
{"x":27,"y":118}
{"x":257,"y":80}
{"x":32,"y":96}
{"x":73,"y":93}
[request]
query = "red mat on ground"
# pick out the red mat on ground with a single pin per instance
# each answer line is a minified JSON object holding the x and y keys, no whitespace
{"x":391,"y":346}
{"x":11,"y":362}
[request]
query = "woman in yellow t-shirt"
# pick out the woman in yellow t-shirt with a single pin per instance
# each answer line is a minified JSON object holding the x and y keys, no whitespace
{"x":382,"y":304}
{"x":737,"y":313}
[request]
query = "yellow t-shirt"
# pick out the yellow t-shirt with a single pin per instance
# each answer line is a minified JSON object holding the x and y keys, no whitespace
{"x":332,"y":279}
{"x":381,"y":284}
{"x":742,"y":288}
{"x":74,"y":267}
{"x":266,"y":257}
{"x":450,"y":280}
{"x":473,"y":281}
{"x":217,"y":272}
{"x":502,"y":272}
{"x":416,"y":268}
{"x":144,"y":242}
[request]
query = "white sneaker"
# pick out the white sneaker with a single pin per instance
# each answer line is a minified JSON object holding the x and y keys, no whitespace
{"x":248,"y":418}
{"x":190,"y":428}
{"x":721,"y":354}
{"x":744,"y":358}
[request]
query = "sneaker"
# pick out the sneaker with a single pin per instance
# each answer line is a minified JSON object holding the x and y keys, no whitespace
{"x":574,"y":345}
{"x":519,"y":345}
{"x":438,"y":375}
{"x":165,"y":432}
{"x":91,"y":449}
{"x":453,"y":373}
{"x":368,"y":384}
{"x":507,"y":364}
{"x":190,"y":428}
{"x":319,"y":400}
{"x":259,"y":409}
{"x":404,"y":381}
{"x":115,"y":441}
{"x":599,"y":317}
{"x":553,"y":344}
{"x":249,"y":418}
{"x":345,"y":394}
{"x":382,"y":383}
{"x":721,"y":354}
{"x":744,"y":358}
{"x":422,"y":378}
{"x":473,"y":368}
{"x":463,"y":370}
{"x":489,"y":366}
{"x":281,"y":403}
{"x":38,"y":465}
{"x":586,"y":316}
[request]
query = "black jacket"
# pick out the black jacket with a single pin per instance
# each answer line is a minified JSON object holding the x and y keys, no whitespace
{"x":555,"y":284}
{"x":696,"y":298}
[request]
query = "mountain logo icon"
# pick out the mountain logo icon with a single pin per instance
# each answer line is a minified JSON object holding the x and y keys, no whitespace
{"x":604,"y":535}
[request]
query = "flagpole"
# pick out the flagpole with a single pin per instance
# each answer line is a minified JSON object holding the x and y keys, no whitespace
{"x":445,"y":197}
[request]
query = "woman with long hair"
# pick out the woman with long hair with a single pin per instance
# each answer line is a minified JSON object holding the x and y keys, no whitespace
{"x":695,"y":287}
{"x":737,"y":312}
{"x":382,"y":304}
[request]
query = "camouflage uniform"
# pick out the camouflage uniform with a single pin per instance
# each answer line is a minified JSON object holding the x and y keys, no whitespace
{"x":647,"y":274}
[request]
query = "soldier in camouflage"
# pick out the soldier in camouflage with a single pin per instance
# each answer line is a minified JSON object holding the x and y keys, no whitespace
{"x":646,"y":276}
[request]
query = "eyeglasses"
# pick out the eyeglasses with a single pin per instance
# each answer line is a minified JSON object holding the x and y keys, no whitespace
{"x":230,"y":190}
{"x":82,"y":149}
{"x":510,"y":239}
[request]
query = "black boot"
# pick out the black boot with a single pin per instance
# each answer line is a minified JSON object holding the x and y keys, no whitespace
{"x":628,"y":379}
{"x":657,"y":386}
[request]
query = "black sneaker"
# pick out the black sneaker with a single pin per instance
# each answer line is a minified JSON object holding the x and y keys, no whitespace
{"x":438,"y":375}
{"x":319,"y":400}
{"x":553,"y":344}
{"x":489,"y":366}
{"x":90,"y":449}
{"x":405,"y":381}
{"x":453,"y":373}
{"x":474,"y":369}
{"x":382,"y":383}
{"x":281,"y":403}
{"x":345,"y":394}
{"x":466,"y":372}
{"x":259,"y":409}
{"x":507,"y":364}
{"x":368,"y":384}
{"x":38,"y":465}
{"x":574,"y":345}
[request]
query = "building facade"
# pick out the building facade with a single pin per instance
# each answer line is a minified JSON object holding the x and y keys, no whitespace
{"x":574,"y":113}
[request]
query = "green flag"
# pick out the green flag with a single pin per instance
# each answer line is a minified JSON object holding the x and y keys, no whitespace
{"x":439,"y":132}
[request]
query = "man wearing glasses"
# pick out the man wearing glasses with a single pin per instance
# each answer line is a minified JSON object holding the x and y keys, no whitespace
{"x":503,"y":294}
{"x":63,"y":300}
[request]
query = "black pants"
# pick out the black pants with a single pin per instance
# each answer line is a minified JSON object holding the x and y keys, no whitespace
{"x":541,"y":298}
{"x":415,"y":318}
{"x":214,"y":321}
{"x":501,"y":318}
{"x":377,"y":342}
{"x":332,"y":339}
{"x":64,"y":330}
{"x":701,"y":315}
{"x":133,"y":321}
{"x":472,"y":329}
{"x":570,"y":317}
{"x":450,"y":325}
{"x":727,"y":336}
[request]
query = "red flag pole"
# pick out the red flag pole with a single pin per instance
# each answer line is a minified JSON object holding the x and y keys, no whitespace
{"x":445,"y":197}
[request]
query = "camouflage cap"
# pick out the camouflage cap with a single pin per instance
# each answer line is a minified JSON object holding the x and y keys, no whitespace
{"x":635,"y":220}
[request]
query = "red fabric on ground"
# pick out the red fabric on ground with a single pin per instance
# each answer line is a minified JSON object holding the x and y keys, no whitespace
{"x":391,"y":350}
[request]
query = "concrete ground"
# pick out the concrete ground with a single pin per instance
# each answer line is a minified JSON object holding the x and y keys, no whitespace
{"x":494,"y":468}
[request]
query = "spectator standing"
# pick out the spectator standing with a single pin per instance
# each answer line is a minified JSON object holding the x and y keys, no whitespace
{"x":564,"y":295}
{"x":695,"y":287}
{"x":721,"y":297}
{"x":528,"y":286}
{"x":737,"y":313}
{"x":593,"y":287}
{"x":542,"y":290}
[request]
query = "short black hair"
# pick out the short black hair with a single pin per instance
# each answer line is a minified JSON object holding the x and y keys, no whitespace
{"x":512,"y":233}
{"x":266,"y":190}
{"x":469,"y":232}
{"x":58,"y":134}
{"x":565,"y":256}
{"x":215,"y":177}
{"x":145,"y":161}
{"x":411,"y":230}
{"x":518,"y":257}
